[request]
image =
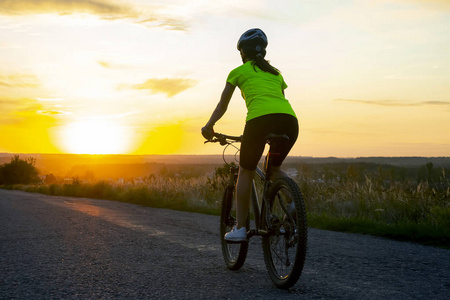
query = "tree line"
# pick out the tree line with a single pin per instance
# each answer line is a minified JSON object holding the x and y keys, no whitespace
{"x":361,"y":171}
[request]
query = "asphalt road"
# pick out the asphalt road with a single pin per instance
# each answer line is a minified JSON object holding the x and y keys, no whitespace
{"x":71,"y":248}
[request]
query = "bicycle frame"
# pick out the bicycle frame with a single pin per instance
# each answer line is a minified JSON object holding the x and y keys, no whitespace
{"x":283,"y":231}
{"x":257,"y":207}
{"x":264,"y":177}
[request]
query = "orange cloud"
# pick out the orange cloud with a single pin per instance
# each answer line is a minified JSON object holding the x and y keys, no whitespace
{"x":106,"y":9}
{"x":104,"y":64}
{"x":23,"y":110}
{"x":100,"y":7}
{"x":169,"y":86}
{"x":169,"y":23}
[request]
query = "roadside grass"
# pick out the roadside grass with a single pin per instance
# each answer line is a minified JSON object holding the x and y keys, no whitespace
{"x":401,"y":210}
{"x":192,"y":194}
{"x":425,"y":234}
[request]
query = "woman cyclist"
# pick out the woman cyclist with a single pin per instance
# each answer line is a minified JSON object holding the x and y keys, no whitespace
{"x":268,"y":111}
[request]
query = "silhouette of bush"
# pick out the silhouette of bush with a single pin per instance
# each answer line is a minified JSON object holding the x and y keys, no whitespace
{"x":19,"y":171}
{"x":50,"y":179}
{"x":220,"y":177}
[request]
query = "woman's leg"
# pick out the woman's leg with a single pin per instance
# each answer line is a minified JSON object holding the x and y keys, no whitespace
{"x":243,"y":194}
{"x":278,"y":173}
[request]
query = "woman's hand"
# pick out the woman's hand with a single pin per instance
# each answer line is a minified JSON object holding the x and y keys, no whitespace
{"x":207,"y":132}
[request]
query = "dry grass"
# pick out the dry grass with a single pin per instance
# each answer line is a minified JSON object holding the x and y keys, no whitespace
{"x":402,"y":210}
{"x":191,"y":194}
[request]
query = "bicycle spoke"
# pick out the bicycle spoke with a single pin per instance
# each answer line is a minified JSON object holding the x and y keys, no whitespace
{"x":280,"y":258}
{"x":280,"y":243}
{"x":284,"y":255}
{"x":234,"y":254}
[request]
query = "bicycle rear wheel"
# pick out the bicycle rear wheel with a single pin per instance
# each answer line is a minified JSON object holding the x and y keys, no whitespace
{"x":234,"y":254}
{"x":285,"y":246}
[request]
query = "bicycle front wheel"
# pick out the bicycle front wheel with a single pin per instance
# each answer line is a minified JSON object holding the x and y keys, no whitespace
{"x":285,"y":245}
{"x":234,"y":254}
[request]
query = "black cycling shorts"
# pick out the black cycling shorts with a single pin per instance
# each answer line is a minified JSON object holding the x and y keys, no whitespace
{"x":255,"y":132}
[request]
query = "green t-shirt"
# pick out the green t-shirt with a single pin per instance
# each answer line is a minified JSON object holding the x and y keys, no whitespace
{"x":262,"y":91}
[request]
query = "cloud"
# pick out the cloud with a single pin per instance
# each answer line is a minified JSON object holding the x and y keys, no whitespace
{"x":100,"y":7}
{"x":113,"y":65}
{"x":12,"y":110}
{"x":437,"y":5}
{"x":165,"y":22}
{"x":105,"y":9}
{"x":104,"y":64}
{"x":19,"y":81}
{"x":19,"y":110}
{"x":26,"y":125}
{"x":433,"y":4}
{"x":394,"y":103}
{"x":169,"y":86}
{"x":8,"y":105}
{"x":52,"y":112}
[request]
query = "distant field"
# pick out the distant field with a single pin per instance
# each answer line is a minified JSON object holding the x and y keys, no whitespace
{"x":64,"y":164}
{"x":407,"y":199}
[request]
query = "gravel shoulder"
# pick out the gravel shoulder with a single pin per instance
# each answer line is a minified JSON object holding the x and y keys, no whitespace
{"x":63,"y":247}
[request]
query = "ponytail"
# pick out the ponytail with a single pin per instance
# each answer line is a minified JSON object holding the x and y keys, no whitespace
{"x":256,"y":54}
{"x":264,"y":65}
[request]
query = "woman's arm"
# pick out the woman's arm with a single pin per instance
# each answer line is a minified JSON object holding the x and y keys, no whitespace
{"x":221,"y":107}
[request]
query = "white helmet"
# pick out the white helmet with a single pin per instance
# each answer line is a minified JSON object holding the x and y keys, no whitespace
{"x":254,"y":37}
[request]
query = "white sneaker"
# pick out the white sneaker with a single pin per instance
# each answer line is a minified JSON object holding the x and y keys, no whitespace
{"x":236,"y":235}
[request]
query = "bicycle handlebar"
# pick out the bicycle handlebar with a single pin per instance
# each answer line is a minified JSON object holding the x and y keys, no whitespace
{"x":224,"y":139}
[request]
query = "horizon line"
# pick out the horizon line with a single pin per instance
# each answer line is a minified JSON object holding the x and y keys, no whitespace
{"x":289,"y":156}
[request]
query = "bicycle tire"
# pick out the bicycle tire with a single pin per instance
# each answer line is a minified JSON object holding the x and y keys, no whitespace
{"x":285,"y":246}
{"x":234,"y":254}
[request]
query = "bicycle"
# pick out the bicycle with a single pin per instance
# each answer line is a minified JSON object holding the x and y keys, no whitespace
{"x":279,"y":218}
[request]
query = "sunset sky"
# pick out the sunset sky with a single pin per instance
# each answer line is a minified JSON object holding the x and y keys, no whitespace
{"x":366,"y":77}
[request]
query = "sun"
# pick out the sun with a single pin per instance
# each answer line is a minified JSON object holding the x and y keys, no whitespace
{"x":95,"y":137}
